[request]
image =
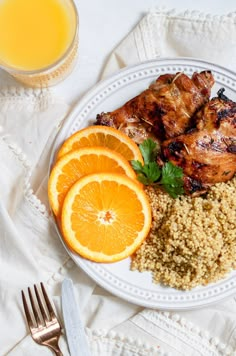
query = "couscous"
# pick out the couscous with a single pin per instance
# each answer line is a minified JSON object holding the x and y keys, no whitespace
{"x":192,"y":240}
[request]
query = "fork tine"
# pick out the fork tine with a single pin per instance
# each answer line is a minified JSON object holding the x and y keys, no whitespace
{"x":27,"y":312}
{"x":35,"y":311}
{"x":47,"y":301}
{"x":41,"y":307}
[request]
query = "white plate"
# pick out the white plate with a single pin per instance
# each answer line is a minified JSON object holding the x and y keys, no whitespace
{"x":108,"y":95}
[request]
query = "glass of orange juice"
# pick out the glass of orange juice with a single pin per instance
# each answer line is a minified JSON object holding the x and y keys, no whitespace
{"x":38,"y":40}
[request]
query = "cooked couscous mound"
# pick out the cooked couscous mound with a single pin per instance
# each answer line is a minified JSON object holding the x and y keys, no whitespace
{"x":193,"y":240}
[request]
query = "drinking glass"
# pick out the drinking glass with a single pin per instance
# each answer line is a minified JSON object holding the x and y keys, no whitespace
{"x":60,"y":67}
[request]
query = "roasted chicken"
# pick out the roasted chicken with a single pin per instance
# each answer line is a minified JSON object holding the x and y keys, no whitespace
{"x":193,"y":132}
{"x":164,"y":110}
{"x":206,"y":153}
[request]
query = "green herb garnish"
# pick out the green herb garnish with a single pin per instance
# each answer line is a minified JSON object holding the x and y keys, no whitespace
{"x":169,"y":176}
{"x":148,"y":150}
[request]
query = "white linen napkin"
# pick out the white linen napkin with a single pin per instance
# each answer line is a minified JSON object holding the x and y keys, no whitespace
{"x":170,"y":34}
{"x":30,"y":249}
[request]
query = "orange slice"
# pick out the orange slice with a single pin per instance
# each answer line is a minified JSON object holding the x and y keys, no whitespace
{"x":105,"y":217}
{"x":102,"y":136}
{"x":70,"y":167}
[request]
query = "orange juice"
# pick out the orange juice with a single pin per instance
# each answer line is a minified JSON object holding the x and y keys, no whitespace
{"x":38,"y":39}
{"x":35,"y":33}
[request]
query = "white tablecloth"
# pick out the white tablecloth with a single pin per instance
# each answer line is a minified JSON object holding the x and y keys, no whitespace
{"x":30,"y":249}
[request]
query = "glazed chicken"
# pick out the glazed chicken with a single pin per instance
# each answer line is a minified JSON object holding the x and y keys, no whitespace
{"x":193,"y":133}
{"x":206,"y":153}
{"x":164,"y":110}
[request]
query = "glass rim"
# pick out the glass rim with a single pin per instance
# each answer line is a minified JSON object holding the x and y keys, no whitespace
{"x":42,"y":70}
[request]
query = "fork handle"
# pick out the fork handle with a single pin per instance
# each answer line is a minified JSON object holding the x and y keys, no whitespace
{"x":53,"y":345}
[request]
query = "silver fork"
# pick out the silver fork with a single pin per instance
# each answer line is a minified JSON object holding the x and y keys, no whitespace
{"x":44,"y":327}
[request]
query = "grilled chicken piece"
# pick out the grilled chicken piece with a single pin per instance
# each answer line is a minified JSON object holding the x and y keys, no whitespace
{"x":164,"y":110}
{"x":207,"y":153}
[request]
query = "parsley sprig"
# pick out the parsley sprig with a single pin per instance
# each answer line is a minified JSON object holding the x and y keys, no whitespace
{"x":169,"y":176}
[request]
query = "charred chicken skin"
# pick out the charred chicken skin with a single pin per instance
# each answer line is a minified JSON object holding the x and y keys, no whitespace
{"x":164,"y":110}
{"x":206,"y":153}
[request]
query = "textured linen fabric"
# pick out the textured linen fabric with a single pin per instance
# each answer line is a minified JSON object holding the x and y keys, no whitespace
{"x":162,"y":34}
{"x":30,"y":249}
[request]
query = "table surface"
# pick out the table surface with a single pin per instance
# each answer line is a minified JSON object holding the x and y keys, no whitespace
{"x":104,"y":24}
